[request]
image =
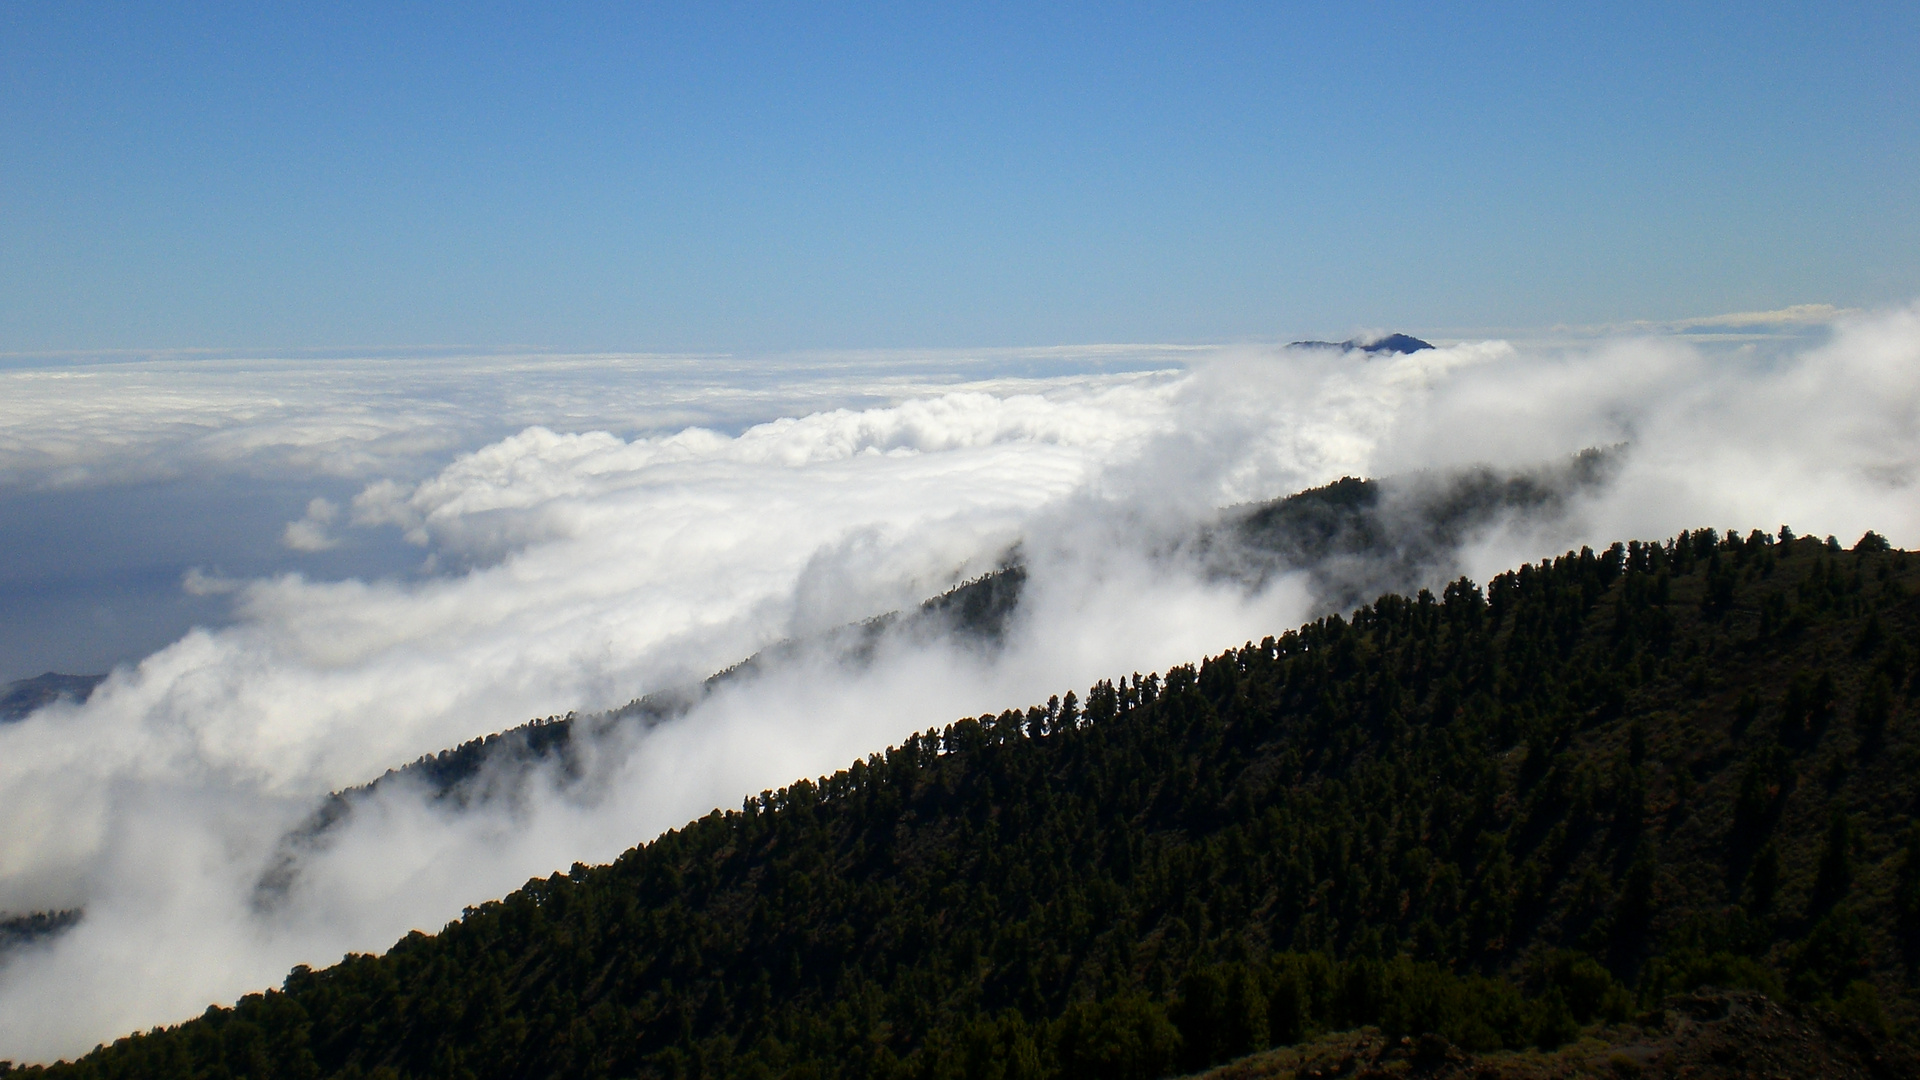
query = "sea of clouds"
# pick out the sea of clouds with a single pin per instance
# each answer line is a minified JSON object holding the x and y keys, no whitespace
{"x":587,"y":530}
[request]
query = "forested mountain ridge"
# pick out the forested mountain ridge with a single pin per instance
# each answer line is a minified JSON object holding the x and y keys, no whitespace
{"x":500,"y":765}
{"x":1350,"y":537}
{"x":1493,"y":815}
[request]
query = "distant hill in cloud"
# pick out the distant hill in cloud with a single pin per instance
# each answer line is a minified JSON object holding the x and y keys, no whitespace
{"x":23,"y":696}
{"x":1392,"y":343}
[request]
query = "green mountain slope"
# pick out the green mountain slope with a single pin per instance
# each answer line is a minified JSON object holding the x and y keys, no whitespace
{"x":1492,"y":815}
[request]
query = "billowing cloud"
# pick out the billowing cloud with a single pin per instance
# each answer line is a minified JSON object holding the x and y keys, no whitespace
{"x":309,"y":533}
{"x":582,"y":565}
{"x":118,"y":474}
{"x":94,"y":420}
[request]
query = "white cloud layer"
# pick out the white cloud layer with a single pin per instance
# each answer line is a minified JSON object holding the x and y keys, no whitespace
{"x":602,"y":566}
{"x":91,"y":420}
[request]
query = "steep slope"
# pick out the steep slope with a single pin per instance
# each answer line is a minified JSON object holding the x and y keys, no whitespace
{"x":1493,"y":816}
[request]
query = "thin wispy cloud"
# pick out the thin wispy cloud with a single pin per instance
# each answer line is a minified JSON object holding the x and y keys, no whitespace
{"x":1792,"y":326}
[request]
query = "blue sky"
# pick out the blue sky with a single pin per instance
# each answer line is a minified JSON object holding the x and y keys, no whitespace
{"x":782,"y":177}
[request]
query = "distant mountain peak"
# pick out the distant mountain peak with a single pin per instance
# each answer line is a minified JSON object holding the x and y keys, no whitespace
{"x":18,"y":699}
{"x":1391,"y":343}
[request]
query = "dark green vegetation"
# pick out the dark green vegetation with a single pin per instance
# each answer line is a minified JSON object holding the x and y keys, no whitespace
{"x":1492,"y":815}
{"x":26,"y":929}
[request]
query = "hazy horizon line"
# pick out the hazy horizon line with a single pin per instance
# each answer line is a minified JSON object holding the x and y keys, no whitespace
{"x":1791,"y":321}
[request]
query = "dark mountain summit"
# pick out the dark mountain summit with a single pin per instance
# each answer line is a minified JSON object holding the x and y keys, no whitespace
{"x":23,"y":696}
{"x":1392,"y":343}
{"x":1477,"y":824}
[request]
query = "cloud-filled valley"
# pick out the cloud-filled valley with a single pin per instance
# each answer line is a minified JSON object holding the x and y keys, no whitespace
{"x":631,"y":528}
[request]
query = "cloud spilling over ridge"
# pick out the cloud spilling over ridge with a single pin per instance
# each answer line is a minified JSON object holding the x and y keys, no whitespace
{"x":596,"y":567}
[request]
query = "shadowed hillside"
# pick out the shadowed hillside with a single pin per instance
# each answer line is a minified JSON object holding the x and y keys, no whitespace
{"x":21,"y":697}
{"x":1494,"y":817}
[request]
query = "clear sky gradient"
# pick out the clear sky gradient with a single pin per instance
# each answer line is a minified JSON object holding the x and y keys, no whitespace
{"x":754,"y":177}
